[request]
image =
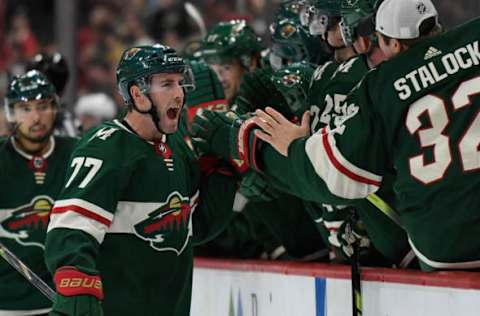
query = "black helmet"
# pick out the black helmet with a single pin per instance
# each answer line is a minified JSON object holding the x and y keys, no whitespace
{"x":54,"y":67}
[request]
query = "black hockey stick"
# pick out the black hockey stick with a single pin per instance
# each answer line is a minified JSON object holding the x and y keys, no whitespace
{"x":28,"y":274}
{"x":357,"y":300}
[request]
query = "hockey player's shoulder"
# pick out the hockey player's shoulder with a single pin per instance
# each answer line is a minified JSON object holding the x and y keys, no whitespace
{"x":66,"y":142}
{"x":324,"y":71}
{"x":106,"y":132}
{"x":349,"y":66}
{"x":110,"y":137}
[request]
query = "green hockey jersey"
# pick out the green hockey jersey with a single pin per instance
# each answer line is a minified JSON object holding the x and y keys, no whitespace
{"x":30,"y":185}
{"x":329,"y":87}
{"x":126,"y":211}
{"x":416,"y":114}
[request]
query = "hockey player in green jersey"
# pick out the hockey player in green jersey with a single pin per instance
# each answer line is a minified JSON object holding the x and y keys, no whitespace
{"x":291,"y":42}
{"x":33,"y":164}
{"x":357,"y":30}
{"x":208,"y":94}
{"x":322,"y":17}
{"x":232,"y":49}
{"x":329,"y":218}
{"x":133,"y":204}
{"x":414,"y":113}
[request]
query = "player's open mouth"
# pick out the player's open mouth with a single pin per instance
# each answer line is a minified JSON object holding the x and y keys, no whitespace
{"x":173,"y":112}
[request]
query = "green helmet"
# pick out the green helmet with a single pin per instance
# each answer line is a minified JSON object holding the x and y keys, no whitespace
{"x":357,"y":19}
{"x":192,"y":49}
{"x":293,"y":43}
{"x":138,"y":63}
{"x":320,"y":15}
{"x":331,"y":7}
{"x":293,"y":83}
{"x":290,"y":9}
{"x":234,"y":39}
{"x":30,"y":86}
{"x":258,"y":91}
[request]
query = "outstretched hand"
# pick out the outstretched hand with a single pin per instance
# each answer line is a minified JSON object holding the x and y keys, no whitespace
{"x":278,"y":131}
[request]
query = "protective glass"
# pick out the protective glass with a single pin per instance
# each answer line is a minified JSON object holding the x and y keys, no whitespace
{"x":306,"y":14}
{"x":21,"y":110}
{"x":318,"y":22}
{"x":276,"y":61}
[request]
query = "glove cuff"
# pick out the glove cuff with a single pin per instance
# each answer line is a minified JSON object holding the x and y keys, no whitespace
{"x":215,"y":105}
{"x":69,"y":281}
{"x":246,"y":145}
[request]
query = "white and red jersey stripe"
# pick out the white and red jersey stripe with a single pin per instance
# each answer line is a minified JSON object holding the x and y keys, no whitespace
{"x":96,"y":221}
{"x":82,"y":215}
{"x":342,"y":178}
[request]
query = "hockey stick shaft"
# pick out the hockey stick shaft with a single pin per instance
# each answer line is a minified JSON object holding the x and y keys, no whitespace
{"x":27,"y":273}
{"x":385,"y":208}
{"x":355,"y":270}
{"x":197,"y":17}
{"x":356,"y":284}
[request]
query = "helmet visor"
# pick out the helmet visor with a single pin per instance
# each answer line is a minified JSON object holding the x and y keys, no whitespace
{"x":318,"y":22}
{"x":168,"y":81}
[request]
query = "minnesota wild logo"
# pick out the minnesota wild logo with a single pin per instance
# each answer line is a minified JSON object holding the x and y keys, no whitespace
{"x":290,"y":80}
{"x":168,"y":228}
{"x":28,"y":223}
{"x":288,"y":30}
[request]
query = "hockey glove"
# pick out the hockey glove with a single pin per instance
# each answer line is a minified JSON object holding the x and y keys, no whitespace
{"x":78,"y":293}
{"x":258,"y":89}
{"x":208,"y":93}
{"x":210,"y":132}
{"x":353,"y":237}
{"x":256,"y":188}
{"x":227,"y":136}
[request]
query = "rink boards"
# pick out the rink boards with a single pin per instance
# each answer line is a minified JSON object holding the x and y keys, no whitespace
{"x":259,"y":288}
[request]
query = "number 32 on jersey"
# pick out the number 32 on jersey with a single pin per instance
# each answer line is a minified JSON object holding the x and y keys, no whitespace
{"x":434,"y":135}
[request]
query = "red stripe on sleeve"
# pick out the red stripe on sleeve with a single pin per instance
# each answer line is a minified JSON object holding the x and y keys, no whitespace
{"x":82,"y":211}
{"x":343,"y":169}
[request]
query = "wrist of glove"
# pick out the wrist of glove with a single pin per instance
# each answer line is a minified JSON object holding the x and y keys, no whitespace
{"x":78,"y":293}
{"x":244,"y":145}
{"x":81,"y":305}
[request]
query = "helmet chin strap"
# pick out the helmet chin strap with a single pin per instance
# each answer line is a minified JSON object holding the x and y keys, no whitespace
{"x":154,"y":115}
{"x":152,"y":112}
